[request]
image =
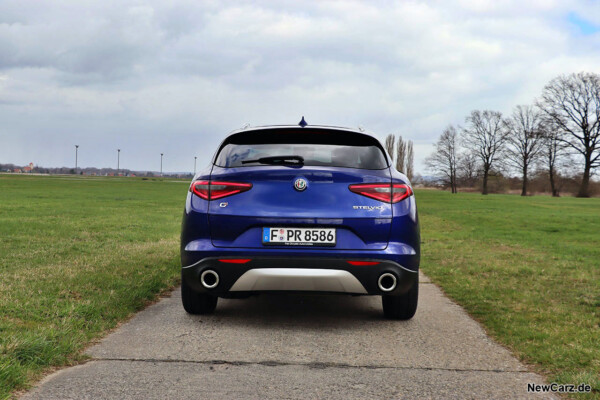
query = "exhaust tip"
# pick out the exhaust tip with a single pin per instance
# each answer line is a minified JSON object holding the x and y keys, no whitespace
{"x":209,"y":279}
{"x":387,"y":282}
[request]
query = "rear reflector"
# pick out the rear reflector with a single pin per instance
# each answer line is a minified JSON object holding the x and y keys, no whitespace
{"x":212,"y":190}
{"x":383,"y":192}
{"x":363,"y":262}
{"x":234,"y":260}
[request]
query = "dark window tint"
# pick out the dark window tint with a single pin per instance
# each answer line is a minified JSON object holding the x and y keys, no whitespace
{"x":316,"y":147}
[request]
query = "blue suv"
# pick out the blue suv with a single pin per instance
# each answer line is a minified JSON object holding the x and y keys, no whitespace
{"x":300,"y":209}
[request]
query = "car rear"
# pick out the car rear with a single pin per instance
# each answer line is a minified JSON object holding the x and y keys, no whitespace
{"x":310,"y":209}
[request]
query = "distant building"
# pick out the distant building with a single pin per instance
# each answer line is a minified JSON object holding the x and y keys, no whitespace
{"x":28,"y":168}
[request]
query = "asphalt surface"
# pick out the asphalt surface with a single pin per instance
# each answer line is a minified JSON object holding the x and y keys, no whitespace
{"x":296,"y":347}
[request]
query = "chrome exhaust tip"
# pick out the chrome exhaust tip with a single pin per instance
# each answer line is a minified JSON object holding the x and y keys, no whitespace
{"x":387,"y":282}
{"x":209,"y":279}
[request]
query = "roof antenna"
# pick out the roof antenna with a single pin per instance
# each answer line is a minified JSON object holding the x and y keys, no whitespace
{"x":360,"y":128}
{"x":302,"y":123}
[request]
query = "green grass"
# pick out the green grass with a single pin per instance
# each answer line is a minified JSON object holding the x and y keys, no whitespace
{"x":78,"y":255}
{"x":527,"y":268}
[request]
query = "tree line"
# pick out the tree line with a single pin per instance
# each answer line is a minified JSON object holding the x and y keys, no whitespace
{"x":90,"y":171}
{"x":403,"y":152}
{"x":561,"y":130}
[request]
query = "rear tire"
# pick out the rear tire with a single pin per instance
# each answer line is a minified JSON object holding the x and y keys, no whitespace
{"x":196,"y":303}
{"x":402,"y":307}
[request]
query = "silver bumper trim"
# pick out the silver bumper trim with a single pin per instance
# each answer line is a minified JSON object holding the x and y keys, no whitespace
{"x":302,"y":279}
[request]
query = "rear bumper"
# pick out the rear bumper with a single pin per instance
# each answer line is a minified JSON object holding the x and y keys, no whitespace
{"x":325,"y":275}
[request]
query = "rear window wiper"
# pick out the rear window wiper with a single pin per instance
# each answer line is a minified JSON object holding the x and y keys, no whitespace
{"x":276,"y":160}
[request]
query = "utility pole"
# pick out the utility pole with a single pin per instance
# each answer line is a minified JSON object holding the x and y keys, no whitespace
{"x":76,"y":148}
{"x":118,"y":160}
{"x":161,"y":156}
{"x":195,"y":165}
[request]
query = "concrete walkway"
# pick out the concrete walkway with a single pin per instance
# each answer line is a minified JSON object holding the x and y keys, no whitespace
{"x":296,"y":347}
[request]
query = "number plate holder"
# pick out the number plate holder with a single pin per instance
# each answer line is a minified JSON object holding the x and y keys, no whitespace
{"x":279,"y":236}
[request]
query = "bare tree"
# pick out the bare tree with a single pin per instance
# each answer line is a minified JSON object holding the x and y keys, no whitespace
{"x":389,"y":144}
{"x":525,"y":140}
{"x":555,"y":156}
{"x":467,"y":169}
{"x":410,"y":160}
{"x":552,"y":150}
{"x":572,"y":102}
{"x":485,"y":135}
{"x":444,"y":161}
{"x":401,"y":154}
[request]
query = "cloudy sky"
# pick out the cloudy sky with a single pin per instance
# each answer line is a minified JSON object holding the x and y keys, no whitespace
{"x":175,"y":77}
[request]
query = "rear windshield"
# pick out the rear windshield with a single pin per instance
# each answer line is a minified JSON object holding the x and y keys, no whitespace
{"x":316,"y":147}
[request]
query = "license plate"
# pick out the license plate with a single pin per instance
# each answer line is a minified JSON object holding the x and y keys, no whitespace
{"x":299,"y":236}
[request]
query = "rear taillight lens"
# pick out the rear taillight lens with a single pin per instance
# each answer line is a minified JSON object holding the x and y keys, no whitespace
{"x":212,"y":190}
{"x":383,"y":192}
{"x":201,"y":189}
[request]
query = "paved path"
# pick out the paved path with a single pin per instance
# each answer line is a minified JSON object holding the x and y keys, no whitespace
{"x":296,"y":347}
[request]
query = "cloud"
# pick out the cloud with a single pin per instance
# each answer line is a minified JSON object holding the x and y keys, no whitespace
{"x":174,"y":77}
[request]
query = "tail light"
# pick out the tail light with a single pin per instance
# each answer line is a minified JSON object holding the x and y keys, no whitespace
{"x":212,"y":190}
{"x":383,"y":192}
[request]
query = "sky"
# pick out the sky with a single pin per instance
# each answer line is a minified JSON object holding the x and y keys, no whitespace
{"x":151,"y":77}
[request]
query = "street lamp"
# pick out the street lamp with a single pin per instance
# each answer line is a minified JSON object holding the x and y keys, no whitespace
{"x":161,"y":156}
{"x":195,"y":165}
{"x":118,"y":160}
{"x":76,"y":148}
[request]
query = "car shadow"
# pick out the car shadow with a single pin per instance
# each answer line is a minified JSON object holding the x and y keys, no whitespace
{"x":305,"y":310}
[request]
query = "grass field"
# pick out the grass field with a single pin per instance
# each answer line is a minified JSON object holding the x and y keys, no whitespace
{"x":527,"y":268}
{"x":78,"y":255}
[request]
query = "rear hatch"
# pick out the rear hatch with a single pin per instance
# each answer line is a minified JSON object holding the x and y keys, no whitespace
{"x":331,"y":162}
